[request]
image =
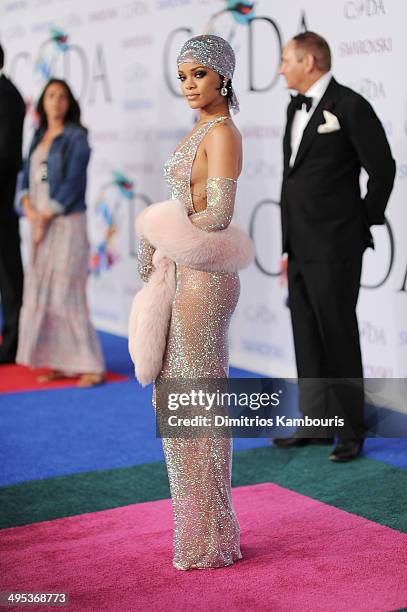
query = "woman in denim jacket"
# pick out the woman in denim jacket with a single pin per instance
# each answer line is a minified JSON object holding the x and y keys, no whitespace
{"x":55,"y":328}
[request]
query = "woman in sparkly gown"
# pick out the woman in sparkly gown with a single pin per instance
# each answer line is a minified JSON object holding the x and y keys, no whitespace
{"x":202,"y":174}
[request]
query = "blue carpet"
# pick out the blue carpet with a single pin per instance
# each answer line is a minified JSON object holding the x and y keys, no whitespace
{"x":389,"y":450}
{"x":59,"y":432}
{"x":116,"y":354}
{"x":53,"y":433}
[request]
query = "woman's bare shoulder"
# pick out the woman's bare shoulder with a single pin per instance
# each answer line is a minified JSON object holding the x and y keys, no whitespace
{"x":224,"y":134}
{"x":224,"y":150}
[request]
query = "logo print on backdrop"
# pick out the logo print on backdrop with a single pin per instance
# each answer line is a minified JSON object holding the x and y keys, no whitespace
{"x":107,"y":217}
{"x":260,"y":313}
{"x":366,"y":47}
{"x":353,"y":9}
{"x":135,"y":9}
{"x":49,"y":52}
{"x":47,"y":55}
{"x":57,"y":56}
{"x":391,"y":248}
{"x":369,"y":88}
{"x":372,"y":334}
{"x":255,"y":224}
{"x":242,"y":13}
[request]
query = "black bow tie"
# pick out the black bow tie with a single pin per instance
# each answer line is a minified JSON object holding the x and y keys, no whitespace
{"x":298,"y":100}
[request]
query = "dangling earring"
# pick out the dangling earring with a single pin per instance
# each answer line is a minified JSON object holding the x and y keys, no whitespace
{"x":224,"y":91}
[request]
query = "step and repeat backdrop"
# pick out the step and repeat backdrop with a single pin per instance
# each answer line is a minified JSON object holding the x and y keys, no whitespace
{"x":119,"y":56}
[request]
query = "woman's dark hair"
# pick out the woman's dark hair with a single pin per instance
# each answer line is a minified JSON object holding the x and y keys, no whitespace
{"x":73,"y":114}
{"x":228,"y":87}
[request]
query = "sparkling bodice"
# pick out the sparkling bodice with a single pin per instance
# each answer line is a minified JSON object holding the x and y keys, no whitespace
{"x":178,"y":168}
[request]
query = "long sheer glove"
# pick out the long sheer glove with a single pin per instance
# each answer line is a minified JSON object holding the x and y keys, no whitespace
{"x":220,"y":203}
{"x":145,"y":259}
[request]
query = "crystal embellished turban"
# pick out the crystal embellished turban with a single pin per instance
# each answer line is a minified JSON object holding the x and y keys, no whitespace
{"x":213,"y":52}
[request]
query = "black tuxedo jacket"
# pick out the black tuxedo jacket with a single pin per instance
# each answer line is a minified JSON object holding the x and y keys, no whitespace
{"x":323,"y":215}
{"x":12,"y":111}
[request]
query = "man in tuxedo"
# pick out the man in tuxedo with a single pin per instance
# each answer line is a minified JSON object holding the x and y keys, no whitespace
{"x":12,"y":111}
{"x":331,"y":134}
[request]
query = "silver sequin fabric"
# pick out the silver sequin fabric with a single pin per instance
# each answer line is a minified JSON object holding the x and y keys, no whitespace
{"x":144,"y":258}
{"x":214,"y":52}
{"x":209,"y":50}
{"x":206,"y":529}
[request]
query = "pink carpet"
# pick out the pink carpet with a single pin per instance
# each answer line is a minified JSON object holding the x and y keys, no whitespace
{"x":299,"y":554}
{"x":15,"y":378}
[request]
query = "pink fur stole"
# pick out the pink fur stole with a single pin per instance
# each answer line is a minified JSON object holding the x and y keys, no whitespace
{"x":166,"y":226}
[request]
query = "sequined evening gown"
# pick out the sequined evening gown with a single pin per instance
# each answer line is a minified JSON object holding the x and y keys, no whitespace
{"x":206,"y":530}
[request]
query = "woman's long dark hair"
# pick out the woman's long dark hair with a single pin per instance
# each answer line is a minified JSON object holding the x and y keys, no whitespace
{"x":73,"y":114}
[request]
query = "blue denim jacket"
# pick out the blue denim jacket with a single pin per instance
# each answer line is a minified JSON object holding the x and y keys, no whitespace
{"x":68,"y":159}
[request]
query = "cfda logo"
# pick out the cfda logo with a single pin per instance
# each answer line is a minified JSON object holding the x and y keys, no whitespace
{"x":112,"y":226}
{"x":84,"y":69}
{"x":354,"y":9}
{"x":49,"y":52}
{"x":252,"y":36}
{"x":241,"y":13}
{"x":114,"y":196}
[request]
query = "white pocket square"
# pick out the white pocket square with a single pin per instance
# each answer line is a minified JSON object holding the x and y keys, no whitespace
{"x":331,"y":123}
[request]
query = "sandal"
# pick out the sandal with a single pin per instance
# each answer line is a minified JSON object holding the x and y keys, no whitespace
{"x":90,"y":380}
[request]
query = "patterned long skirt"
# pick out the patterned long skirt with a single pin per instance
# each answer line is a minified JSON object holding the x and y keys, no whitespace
{"x":55,"y":328}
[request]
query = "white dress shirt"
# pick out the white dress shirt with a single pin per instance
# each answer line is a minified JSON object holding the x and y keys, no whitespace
{"x":301,"y":117}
